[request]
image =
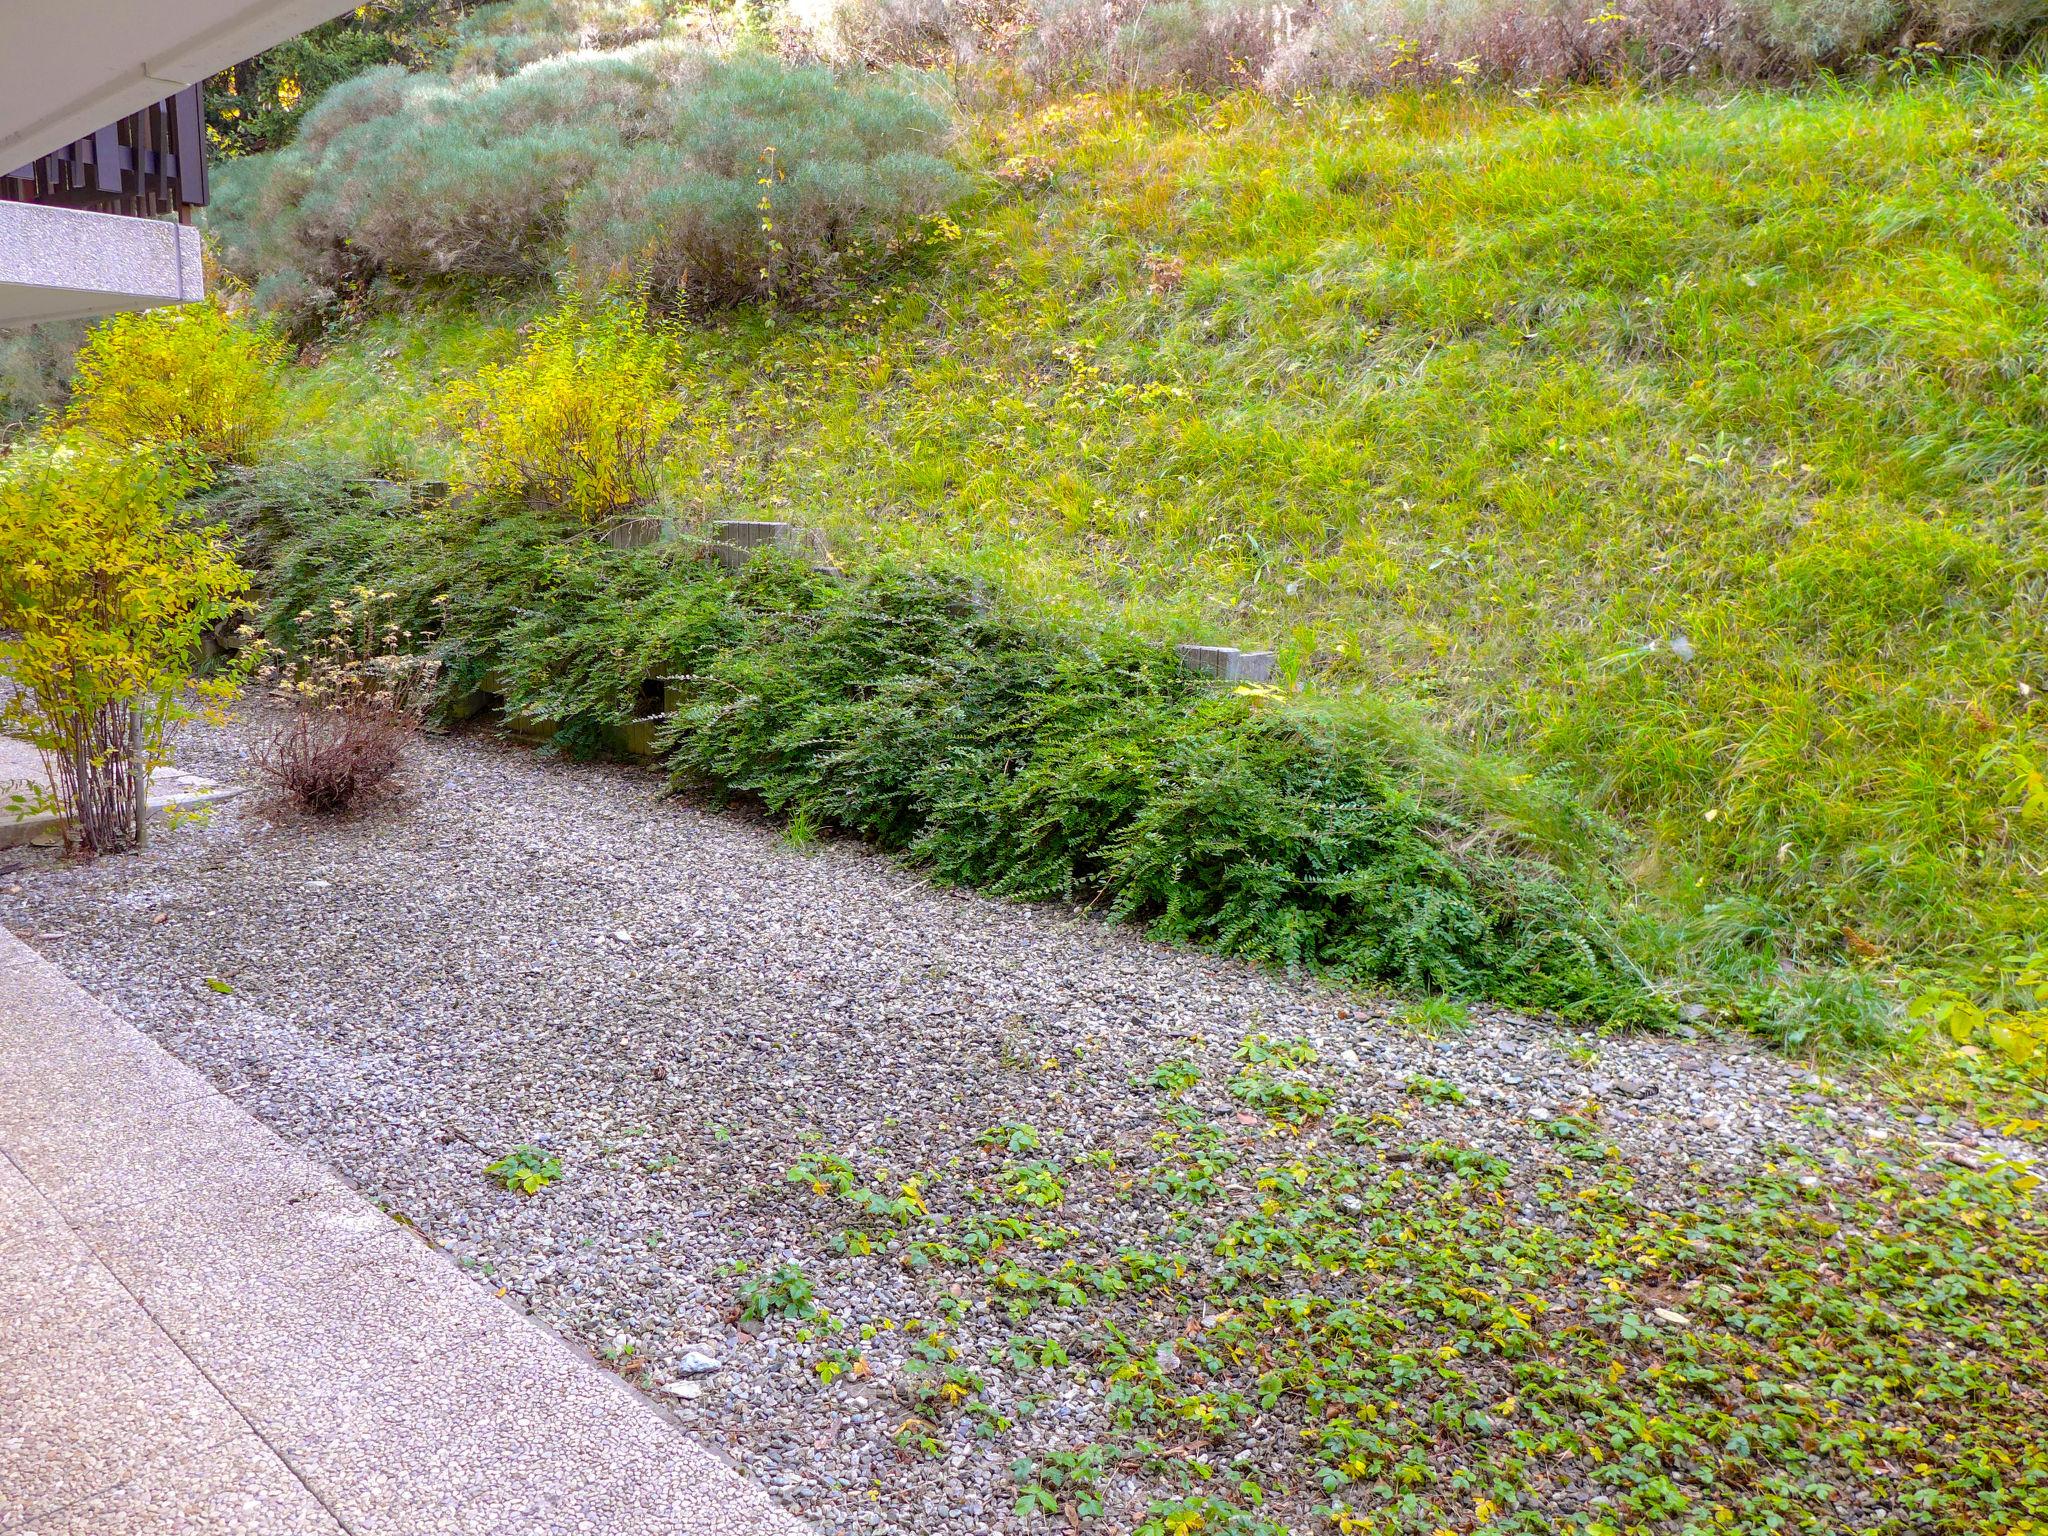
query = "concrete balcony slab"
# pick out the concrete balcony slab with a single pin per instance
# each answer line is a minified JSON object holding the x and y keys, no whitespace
{"x":66,"y":263}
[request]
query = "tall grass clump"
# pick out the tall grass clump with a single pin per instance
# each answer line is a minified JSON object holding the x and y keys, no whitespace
{"x":907,"y":707}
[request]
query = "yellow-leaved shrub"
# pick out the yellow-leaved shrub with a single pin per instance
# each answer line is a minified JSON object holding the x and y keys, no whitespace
{"x":576,"y":422}
{"x":188,"y":374}
{"x":106,"y":586}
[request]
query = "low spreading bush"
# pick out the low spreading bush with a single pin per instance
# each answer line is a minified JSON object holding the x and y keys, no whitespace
{"x":1040,"y":765}
{"x":354,"y":698}
{"x":185,"y":375}
{"x":907,"y":708}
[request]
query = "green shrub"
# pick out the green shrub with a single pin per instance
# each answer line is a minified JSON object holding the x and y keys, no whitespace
{"x":186,"y":374}
{"x":1036,"y":765}
{"x":258,"y":104}
{"x":906,"y":708}
{"x":264,"y":504}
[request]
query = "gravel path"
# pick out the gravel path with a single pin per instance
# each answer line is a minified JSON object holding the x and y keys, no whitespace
{"x":677,"y":1004}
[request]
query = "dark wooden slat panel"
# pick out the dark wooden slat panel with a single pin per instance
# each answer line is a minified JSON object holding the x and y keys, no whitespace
{"x":150,"y":163}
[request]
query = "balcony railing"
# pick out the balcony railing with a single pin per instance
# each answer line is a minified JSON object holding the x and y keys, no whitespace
{"x":147,"y":165}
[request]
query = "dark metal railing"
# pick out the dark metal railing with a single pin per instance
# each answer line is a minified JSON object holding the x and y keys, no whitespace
{"x":149,"y":164}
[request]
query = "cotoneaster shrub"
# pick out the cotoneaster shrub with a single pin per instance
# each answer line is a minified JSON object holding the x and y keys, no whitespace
{"x":1039,"y":764}
{"x":907,"y":708}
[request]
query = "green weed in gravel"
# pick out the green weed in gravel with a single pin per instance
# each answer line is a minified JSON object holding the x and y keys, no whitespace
{"x":1408,"y":1340}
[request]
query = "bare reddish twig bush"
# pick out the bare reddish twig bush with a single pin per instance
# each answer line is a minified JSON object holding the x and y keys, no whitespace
{"x":328,"y":761}
{"x":357,"y":698}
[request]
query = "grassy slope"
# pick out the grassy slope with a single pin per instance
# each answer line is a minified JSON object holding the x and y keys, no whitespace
{"x":1488,"y":400}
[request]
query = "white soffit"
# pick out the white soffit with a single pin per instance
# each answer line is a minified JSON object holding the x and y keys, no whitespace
{"x":68,"y":67}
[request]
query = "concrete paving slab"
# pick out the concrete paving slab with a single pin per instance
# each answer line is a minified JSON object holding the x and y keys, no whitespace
{"x":63,"y":1082}
{"x":92,"y":1163}
{"x":236,"y":1489}
{"x":69,"y":1410}
{"x":325,"y":1349}
{"x":175,"y":1280}
{"x":80,"y":1369}
{"x":49,"y":1280}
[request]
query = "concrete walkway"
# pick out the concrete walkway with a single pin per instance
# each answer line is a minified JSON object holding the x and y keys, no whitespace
{"x":204,"y":1333}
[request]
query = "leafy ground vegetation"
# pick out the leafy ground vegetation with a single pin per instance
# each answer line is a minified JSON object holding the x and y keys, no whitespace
{"x":1685,"y":449}
{"x":1340,"y":1326}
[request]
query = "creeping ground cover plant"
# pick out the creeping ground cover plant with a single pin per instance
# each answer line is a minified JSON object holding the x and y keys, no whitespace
{"x":1341,"y":1325}
{"x":907,"y":706}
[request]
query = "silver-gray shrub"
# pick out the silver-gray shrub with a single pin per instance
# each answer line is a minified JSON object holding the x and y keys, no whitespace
{"x":1202,"y":45}
{"x":644,"y":164}
{"x":1363,"y":45}
{"x":772,"y":180}
{"x":1295,"y":46}
{"x":501,"y":39}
